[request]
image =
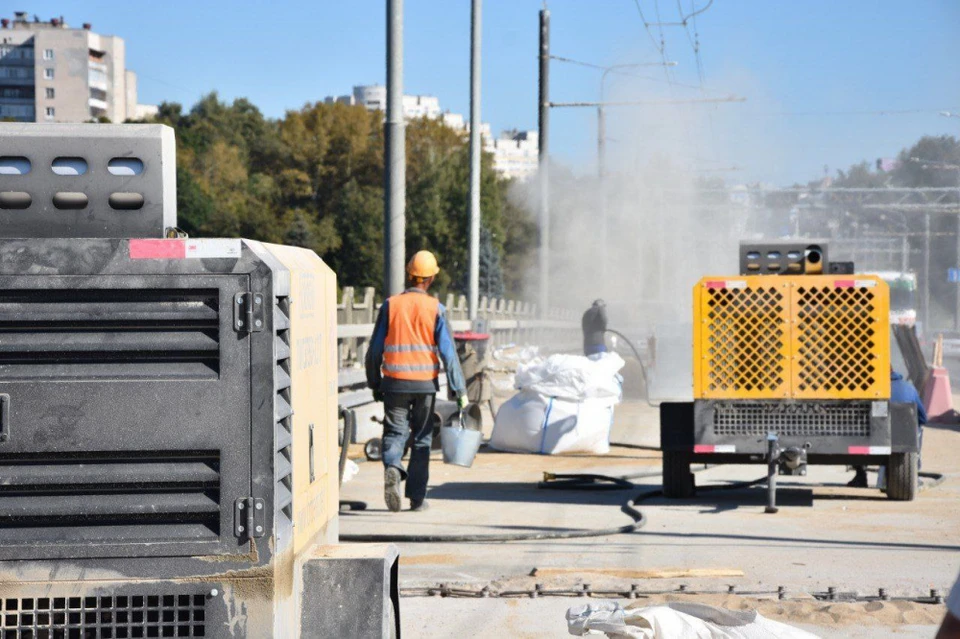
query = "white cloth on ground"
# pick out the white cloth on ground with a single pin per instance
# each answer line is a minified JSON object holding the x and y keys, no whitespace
{"x":667,"y":621}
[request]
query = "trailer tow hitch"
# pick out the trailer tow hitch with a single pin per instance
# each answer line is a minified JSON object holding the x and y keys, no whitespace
{"x":782,"y":461}
{"x":773,"y":463}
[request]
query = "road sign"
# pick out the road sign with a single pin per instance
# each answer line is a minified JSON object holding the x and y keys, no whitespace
{"x":953,"y":275}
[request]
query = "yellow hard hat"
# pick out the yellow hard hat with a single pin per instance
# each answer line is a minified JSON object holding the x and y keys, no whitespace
{"x":423,"y":264}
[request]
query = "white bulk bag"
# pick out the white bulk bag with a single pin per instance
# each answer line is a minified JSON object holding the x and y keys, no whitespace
{"x":573,"y":377}
{"x":530,"y":422}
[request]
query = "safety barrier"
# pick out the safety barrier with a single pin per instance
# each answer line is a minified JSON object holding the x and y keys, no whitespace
{"x":507,"y":321}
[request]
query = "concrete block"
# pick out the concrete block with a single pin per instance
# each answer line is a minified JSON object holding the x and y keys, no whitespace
{"x":351,"y":590}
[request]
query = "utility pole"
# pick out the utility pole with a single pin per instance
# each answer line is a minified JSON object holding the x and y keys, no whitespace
{"x":394,"y":223}
{"x":926,"y":273}
{"x":475,"y":33}
{"x":544,"y":161}
{"x":942,"y":166}
{"x":602,"y":184}
{"x":956,"y":316}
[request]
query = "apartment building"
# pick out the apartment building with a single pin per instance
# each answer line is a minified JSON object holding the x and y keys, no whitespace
{"x":50,"y":72}
{"x":514,"y":153}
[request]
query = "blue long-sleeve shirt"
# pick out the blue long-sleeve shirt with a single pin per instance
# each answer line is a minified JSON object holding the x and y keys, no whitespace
{"x":902,"y":391}
{"x":446,"y":350}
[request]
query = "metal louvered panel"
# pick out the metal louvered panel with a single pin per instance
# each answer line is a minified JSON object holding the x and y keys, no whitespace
{"x":281,"y":378}
{"x":111,"y":496}
{"x":92,"y":334}
{"x":283,"y":411}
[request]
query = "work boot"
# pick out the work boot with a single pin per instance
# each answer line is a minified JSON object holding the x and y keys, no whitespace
{"x":859,"y":480}
{"x":391,"y":488}
{"x":419,"y":506}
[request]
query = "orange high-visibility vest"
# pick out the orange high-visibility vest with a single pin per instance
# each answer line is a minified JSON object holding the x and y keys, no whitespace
{"x":410,"y":350}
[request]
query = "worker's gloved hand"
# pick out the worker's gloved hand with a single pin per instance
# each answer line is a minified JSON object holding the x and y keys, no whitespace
{"x":377,"y":396}
{"x":462,"y":401}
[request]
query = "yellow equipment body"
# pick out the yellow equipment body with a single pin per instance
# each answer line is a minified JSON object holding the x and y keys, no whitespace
{"x":791,"y":337}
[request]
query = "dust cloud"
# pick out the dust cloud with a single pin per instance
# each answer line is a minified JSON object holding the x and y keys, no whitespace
{"x":671,"y":214}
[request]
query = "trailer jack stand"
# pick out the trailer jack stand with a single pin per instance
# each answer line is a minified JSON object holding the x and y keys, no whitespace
{"x":773,"y":463}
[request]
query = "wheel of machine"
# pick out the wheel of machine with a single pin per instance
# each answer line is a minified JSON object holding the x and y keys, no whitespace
{"x":373,"y":449}
{"x":902,"y":475}
{"x":677,"y":478}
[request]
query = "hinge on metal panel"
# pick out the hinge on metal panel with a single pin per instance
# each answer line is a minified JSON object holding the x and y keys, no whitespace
{"x":249,"y":517}
{"x":248,"y":312}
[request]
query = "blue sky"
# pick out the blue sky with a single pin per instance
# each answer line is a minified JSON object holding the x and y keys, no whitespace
{"x":803,"y":67}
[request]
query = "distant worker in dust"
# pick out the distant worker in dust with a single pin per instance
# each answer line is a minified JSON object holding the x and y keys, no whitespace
{"x":594,"y":325}
{"x":410,"y":339}
{"x":901,"y":392}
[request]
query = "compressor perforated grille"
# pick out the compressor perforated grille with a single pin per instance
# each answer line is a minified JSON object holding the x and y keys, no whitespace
{"x":835,"y":339}
{"x":792,"y":420}
{"x":105,"y":617}
{"x":746,"y":340}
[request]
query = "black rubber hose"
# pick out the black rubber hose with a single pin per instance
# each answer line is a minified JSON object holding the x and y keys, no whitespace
{"x":628,"y":508}
{"x":584,"y":481}
{"x":349,"y":424}
{"x":936,"y":479}
{"x":643,"y":369}
{"x":349,"y":427}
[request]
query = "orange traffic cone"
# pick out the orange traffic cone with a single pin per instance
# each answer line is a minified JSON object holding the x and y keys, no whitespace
{"x":937,"y":398}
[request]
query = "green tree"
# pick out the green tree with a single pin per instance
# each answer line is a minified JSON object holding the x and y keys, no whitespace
{"x":314,"y":178}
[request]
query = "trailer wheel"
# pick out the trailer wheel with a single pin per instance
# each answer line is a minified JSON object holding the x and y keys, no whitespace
{"x":373,"y":449}
{"x":902,"y":476}
{"x":677,"y":478}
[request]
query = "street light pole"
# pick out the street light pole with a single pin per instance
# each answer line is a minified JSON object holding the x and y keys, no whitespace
{"x":474,"y":270}
{"x":544,"y":162}
{"x":394,"y":242}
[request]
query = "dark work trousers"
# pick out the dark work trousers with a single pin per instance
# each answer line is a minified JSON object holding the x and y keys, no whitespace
{"x":406,"y":413}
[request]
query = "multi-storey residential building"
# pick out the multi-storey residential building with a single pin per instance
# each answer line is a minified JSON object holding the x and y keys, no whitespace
{"x":514,"y":153}
{"x":50,"y":72}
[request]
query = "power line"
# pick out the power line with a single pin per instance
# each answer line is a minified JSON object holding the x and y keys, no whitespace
{"x":683,"y":19}
{"x":663,"y":41}
{"x":862,"y":112}
{"x":646,"y":25}
{"x":729,"y":98}
{"x":696,"y":13}
{"x":695,"y":42}
{"x":613,"y":69}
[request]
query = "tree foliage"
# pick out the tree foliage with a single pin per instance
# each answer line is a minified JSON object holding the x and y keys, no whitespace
{"x":921,"y":165}
{"x":314,"y":178}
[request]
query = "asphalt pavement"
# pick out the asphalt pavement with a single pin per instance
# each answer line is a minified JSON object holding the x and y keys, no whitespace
{"x":825,"y":535}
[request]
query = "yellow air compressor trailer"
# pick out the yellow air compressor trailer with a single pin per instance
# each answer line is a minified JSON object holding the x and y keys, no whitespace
{"x":791,"y":366}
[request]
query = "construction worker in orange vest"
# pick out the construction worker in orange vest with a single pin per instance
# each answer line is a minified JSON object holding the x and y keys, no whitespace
{"x":410,"y":339}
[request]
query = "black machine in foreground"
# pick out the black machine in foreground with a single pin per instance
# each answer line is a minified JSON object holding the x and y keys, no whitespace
{"x":168,"y":412}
